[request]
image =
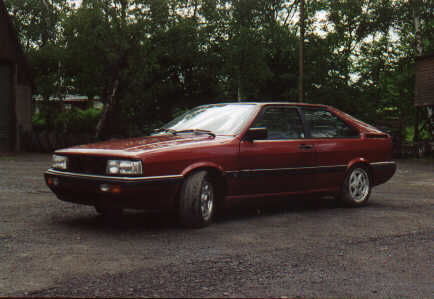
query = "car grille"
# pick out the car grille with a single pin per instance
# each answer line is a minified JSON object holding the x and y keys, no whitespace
{"x":87,"y":164}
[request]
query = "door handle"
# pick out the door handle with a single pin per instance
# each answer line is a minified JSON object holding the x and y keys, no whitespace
{"x":305,"y":146}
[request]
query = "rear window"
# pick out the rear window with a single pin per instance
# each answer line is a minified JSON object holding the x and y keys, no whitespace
{"x":324,"y":124}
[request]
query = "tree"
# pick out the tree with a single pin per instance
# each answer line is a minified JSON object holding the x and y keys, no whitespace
{"x":103,"y":39}
{"x":146,"y":59}
{"x":39,"y":25}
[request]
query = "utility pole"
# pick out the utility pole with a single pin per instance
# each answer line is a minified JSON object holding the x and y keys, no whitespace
{"x":239,"y":96}
{"x":301,"y":52}
{"x":419,"y":52}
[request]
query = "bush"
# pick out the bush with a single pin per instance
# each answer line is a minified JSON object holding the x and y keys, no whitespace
{"x":71,"y":121}
{"x":39,"y":122}
{"x":409,"y":134}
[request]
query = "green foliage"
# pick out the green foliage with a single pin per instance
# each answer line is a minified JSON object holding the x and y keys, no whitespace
{"x":39,"y":25}
{"x":409,"y":134}
{"x":68,"y":121}
{"x":78,"y":120}
{"x":172,"y":54}
{"x":38,"y":121}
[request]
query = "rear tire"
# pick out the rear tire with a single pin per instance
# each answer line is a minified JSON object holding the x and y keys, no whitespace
{"x":357,"y":187}
{"x":197,"y":200}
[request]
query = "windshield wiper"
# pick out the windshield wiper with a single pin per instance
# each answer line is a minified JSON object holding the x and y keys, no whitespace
{"x":166,"y":130}
{"x":197,"y":131}
{"x":175,"y":132}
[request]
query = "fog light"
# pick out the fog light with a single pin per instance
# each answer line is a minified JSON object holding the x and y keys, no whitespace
{"x":52,"y":181}
{"x":110,"y":188}
{"x":115,"y":189}
{"x":104,"y":188}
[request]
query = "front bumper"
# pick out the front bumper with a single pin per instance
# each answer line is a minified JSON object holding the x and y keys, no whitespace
{"x":158,"y":192}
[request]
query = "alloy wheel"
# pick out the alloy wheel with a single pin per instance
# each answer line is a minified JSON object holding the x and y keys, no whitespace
{"x":359,"y":185}
{"x":206,"y":200}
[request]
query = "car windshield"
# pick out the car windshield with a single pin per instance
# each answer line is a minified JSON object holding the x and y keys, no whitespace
{"x":219,"y":119}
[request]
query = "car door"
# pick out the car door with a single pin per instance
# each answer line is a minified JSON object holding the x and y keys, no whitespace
{"x":336,"y":143}
{"x":280,"y":163}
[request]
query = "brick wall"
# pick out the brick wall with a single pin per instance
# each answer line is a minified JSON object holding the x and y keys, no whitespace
{"x":424,"y":92}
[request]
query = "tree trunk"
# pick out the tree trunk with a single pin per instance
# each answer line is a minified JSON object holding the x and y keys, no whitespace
{"x":418,"y":35}
{"x":102,"y":123}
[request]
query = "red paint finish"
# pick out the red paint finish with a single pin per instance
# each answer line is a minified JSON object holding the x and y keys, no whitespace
{"x":273,"y":157}
{"x":247,"y":168}
{"x":337,"y":152}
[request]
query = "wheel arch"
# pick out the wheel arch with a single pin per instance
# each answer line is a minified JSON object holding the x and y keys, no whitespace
{"x":216,"y":173}
{"x":362,"y":162}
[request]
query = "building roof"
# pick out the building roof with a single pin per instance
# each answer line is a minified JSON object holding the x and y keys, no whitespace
{"x":66,"y":98}
{"x":426,"y":56}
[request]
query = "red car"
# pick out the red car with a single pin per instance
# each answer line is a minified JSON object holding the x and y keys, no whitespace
{"x":218,"y":153}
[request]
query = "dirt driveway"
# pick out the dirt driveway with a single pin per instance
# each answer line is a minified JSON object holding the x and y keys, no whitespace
{"x":292,"y":248}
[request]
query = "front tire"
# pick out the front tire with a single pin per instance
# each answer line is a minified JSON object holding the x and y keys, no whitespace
{"x":197,"y":200}
{"x":357,"y":187}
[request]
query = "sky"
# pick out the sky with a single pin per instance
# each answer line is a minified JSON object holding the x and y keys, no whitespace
{"x":76,"y":2}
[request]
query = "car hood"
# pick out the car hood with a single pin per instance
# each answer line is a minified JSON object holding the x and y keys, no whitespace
{"x":140,"y":144}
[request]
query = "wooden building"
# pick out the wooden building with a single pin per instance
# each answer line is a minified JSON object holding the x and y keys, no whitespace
{"x":15,"y":87}
{"x":424,"y":97}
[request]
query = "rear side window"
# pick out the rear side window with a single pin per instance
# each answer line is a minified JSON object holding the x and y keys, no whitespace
{"x":281,"y":123}
{"x":324,"y":124}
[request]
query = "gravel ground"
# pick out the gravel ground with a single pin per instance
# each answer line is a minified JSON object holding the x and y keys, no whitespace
{"x":309,"y":248}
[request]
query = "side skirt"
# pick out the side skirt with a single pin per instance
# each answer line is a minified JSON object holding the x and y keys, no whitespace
{"x":282,"y":194}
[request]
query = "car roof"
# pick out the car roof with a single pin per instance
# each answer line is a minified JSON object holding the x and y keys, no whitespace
{"x":275,"y":103}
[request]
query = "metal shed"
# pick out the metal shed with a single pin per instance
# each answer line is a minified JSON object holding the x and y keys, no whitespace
{"x":15,"y":87}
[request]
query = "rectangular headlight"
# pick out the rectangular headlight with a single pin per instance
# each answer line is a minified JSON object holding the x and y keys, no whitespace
{"x":60,"y":162}
{"x":124,"y":167}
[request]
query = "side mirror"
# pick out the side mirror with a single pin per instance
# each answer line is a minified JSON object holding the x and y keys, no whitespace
{"x":256,"y":134}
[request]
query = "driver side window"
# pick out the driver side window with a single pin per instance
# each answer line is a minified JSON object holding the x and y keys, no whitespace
{"x":281,"y":123}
